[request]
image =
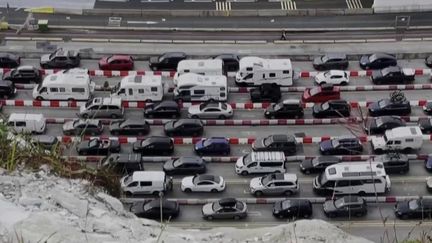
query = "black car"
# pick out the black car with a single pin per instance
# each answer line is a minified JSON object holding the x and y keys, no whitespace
{"x":342,"y":146}
{"x":279,"y":142}
{"x":318,"y":164}
{"x":428,"y":108}
{"x":346,"y":206}
{"x":184,"y":127}
{"x":230,"y":62}
{"x":152,"y":209}
{"x":23,"y":74}
{"x":293,"y":208}
{"x":167,"y":61}
{"x":377,"y":61}
{"x":378,"y":125}
{"x":392,"y":75}
{"x":123,"y":163}
{"x":387,"y":107}
{"x":331,"y":61}
{"x":394,"y":163}
{"x":154,"y":145}
{"x":285,"y":109}
{"x":213,"y":146}
{"x":7,"y":89}
{"x":97,"y":146}
{"x":61,"y":58}
{"x":167,"y":108}
{"x":185,"y":165}
{"x":80,"y":127}
{"x":331,"y":108}
{"x":428,"y":163}
{"x":129,"y":127}
{"x":420,"y":208}
{"x":266,"y":93}
{"x":8,"y":60}
{"x":428,"y":61}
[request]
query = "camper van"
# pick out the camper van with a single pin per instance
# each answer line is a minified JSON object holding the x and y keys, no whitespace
{"x":211,"y":67}
{"x":255,"y":71}
{"x":139,"y":88}
{"x":146,"y":182}
{"x":361,"y":178}
{"x":26,"y":123}
{"x":399,"y":138}
{"x":261,"y":162}
{"x":196,"y":87}
{"x":65,"y":86}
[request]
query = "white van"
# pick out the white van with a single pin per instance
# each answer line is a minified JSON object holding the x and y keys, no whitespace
{"x":147,"y":88}
{"x":361,"y":178}
{"x":210,"y":67}
{"x":399,"y":138}
{"x":146,"y":182}
{"x":196,"y":87}
{"x":254,"y":71}
{"x":27,"y":123}
{"x":261,"y":162}
{"x":65,"y":86}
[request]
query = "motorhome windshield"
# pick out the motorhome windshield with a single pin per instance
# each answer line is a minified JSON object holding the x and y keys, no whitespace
{"x":322,"y":179}
{"x":115,"y":88}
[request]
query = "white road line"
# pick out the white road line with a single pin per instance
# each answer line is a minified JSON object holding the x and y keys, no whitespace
{"x":288,"y":5}
{"x":223,"y":6}
{"x":354,"y":4}
{"x":142,"y":22}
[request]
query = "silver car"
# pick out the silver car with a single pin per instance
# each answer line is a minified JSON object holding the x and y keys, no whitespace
{"x":108,"y":107}
{"x":276,"y":183}
{"x":211,"y":110}
{"x":226,"y":208}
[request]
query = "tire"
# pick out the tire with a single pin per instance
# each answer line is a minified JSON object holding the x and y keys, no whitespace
{"x":214,"y":190}
{"x":362,"y":193}
{"x":39,"y":98}
{"x":222,"y":117}
{"x":187,"y":190}
{"x":236,"y":217}
{"x":156,"y":193}
{"x":288,"y":193}
{"x":258,"y":193}
{"x":378,"y":151}
{"x":343,"y":83}
{"x":209,"y":217}
{"x":195,"y":117}
{"x":128,"y":194}
{"x":244,"y":173}
{"x":114,"y":116}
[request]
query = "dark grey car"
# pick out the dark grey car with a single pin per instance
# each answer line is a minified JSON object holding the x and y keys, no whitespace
{"x":226,"y":208}
{"x":331,"y":61}
{"x":61,"y":59}
{"x":346,"y":206}
{"x":83,"y":127}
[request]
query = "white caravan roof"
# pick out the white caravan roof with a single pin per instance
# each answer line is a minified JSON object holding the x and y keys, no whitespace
{"x":267,"y":64}
{"x":67,"y":78}
{"x":141,"y":80}
{"x":199,"y":64}
{"x":193,"y":79}
{"x":355,"y":169}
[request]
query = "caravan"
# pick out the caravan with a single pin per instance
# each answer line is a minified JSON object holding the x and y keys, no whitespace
{"x":139,"y":88}
{"x":255,"y":71}
{"x":211,"y":67}
{"x":196,"y":87}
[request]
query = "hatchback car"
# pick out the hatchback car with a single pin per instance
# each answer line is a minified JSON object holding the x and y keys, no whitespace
{"x":318,"y":164}
{"x":394,"y":163}
{"x":427,"y":108}
{"x":336,"y":77}
{"x":278,"y":142}
{"x":163,"y":109}
{"x":184,"y":165}
{"x":275,"y":184}
{"x":167,"y":61}
{"x":285,"y":109}
{"x":23,"y":74}
{"x":98,"y":146}
{"x":102,"y":107}
{"x":266,"y":93}
{"x":80,"y":127}
{"x":425,"y":125}
{"x":184,"y":127}
{"x":116,"y":62}
{"x":346,"y":206}
{"x":392,"y":75}
{"x":331,"y":108}
{"x":386,"y":107}
{"x":420,"y":208}
{"x":61,"y":58}
{"x":7,"y":89}
{"x":213,"y":146}
{"x":378,"y":125}
{"x":210,"y":110}
{"x":203,"y":183}
{"x":377,"y":61}
{"x":225,"y":208}
{"x":129,"y":127}
{"x":8,"y":60}
{"x":154,"y":145}
{"x":331,"y":61}
{"x":153,"y":210}
{"x":341,"y":146}
{"x":293,"y":208}
{"x":321,"y":94}
{"x":230,"y":62}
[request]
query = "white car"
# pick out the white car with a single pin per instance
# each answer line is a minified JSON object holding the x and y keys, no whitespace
{"x":203,"y":183}
{"x":337,"y":77}
{"x":210,"y":110}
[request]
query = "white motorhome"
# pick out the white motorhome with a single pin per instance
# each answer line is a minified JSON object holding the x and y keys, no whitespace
{"x":361,"y":178}
{"x":65,"y":86}
{"x":196,"y":87}
{"x":255,"y":71}
{"x":261,"y":162}
{"x":399,"y":138}
{"x":209,"y":67}
{"x":146,"y":182}
{"x":140,"y":88}
{"x":27,"y":123}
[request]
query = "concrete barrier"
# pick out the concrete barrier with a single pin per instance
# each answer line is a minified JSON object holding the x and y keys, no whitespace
{"x":188,"y":41}
{"x":125,"y":40}
{"x":271,"y":12}
{"x":329,"y":12}
{"x":358,"y":11}
{"x":89,"y":40}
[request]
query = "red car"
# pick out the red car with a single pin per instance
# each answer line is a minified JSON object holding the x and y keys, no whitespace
{"x":116,"y":62}
{"x":321,"y":94}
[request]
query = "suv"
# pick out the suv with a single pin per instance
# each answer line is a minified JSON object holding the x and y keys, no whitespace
{"x":102,"y":107}
{"x":184,"y":127}
{"x":346,"y":206}
{"x":392,"y":75}
{"x":279,"y":142}
{"x":167,"y":61}
{"x":154,"y":145}
{"x":8,"y":60}
{"x":318,"y":164}
{"x":377,"y":61}
{"x":321,"y":93}
{"x":331,"y":61}
{"x":7,"y":89}
{"x":213,"y":145}
{"x":23,"y":74}
{"x":61,"y":59}
{"x":230,"y":62}
{"x":285,"y":109}
{"x":331,"y":108}
{"x":341,"y":146}
{"x":266,"y":92}
{"x":276,"y":184}
{"x":167,"y":108}
{"x":292,"y":208}
{"x":394,"y":163}
{"x":123,"y":163}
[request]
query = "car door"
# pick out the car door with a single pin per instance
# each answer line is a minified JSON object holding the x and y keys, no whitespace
{"x":205,"y":186}
{"x":60,"y":62}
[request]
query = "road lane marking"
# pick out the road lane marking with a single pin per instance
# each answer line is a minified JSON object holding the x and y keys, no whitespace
{"x":223,"y":6}
{"x":288,"y":5}
{"x":354,"y":4}
{"x":142,"y":22}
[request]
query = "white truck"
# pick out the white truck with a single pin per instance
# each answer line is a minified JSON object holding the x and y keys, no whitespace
{"x":255,"y":71}
{"x":211,"y":67}
{"x":196,"y":87}
{"x":147,"y":88}
{"x":400,"y":138}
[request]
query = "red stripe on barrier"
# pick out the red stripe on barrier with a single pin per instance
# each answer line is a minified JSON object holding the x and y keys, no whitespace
{"x":66,"y":139}
{"x":261,"y":201}
{"x":354,"y":104}
{"x":409,"y":86}
{"x":107,"y":73}
{"x":264,"y":122}
{"x":323,"y":138}
{"x":229,"y":122}
{"x":196,"y":139}
{"x":172,"y":73}
{"x":92,"y":72}
{"x":247,"y":122}
{"x":265,"y":105}
{"x":363,"y":139}
{"x":73,"y":103}
{"x":178,"y":140}
{"x":305,"y":74}
{"x":250,"y":140}
{"x":390,"y":199}
{"x":19,"y":102}
{"x":157,"y":72}
{"x":124,"y":73}
{"x":418,"y":72}
{"x":300,"y":121}
{"x":369,"y":73}
{"x":354,"y":73}
{"x":282,"y":122}
{"x":249,"y":106}
{"x":233,"y":140}
{"x":37,"y":103}
{"x":54,"y":103}
{"x":422,"y":102}
{"x":141,"y":72}
{"x":123,"y":140}
{"x":307,"y":140}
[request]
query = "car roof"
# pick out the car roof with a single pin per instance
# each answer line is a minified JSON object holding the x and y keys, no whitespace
{"x":206,"y":177}
{"x":6,"y":83}
{"x":189,"y":121}
{"x":120,"y":57}
{"x":227,"y":202}
{"x":168,"y":103}
{"x":392,"y":69}
{"x":342,"y":102}
{"x":174,"y":54}
{"x":218,"y":139}
{"x":291,"y":102}
{"x":283,"y":138}
{"x":336,"y":55}
{"x":125,"y":157}
{"x":44,"y":138}
{"x":159,"y":139}
{"x":135,"y":121}
{"x":25,"y":68}
{"x":107,"y":101}
{"x":190,"y":160}
{"x":25,"y":116}
{"x":352,"y":199}
{"x":9,"y":55}
{"x":165,"y":203}
{"x":148,"y":176}
{"x":323,"y":159}
{"x":88,"y":121}
{"x":383,"y":55}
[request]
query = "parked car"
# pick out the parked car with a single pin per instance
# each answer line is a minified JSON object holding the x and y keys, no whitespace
{"x":429,"y":184}
{"x":428,"y":61}
{"x":346,"y":206}
{"x":274,"y":184}
{"x":321,"y":93}
{"x":80,"y":127}
{"x":277,"y":142}
{"x":394,"y":163}
{"x":130,"y":127}
{"x":98,"y":146}
{"x":392,"y":75}
{"x":266,"y":93}
{"x":184,"y":127}
{"x":116,"y":62}
{"x":225,"y":208}
{"x":167,"y":108}
{"x":425,"y":125}
{"x":428,"y":163}
{"x":331,"y":108}
{"x":185,"y":165}
{"x":124,"y":163}
{"x":152,"y":209}
{"x":45,"y":141}
{"x":102,"y":107}
{"x":167,"y":61}
{"x":318,"y":164}
{"x":285,"y":109}
{"x":341,"y":146}
{"x":7,"y":89}
{"x":230,"y":62}
{"x":203,"y":183}
{"x":428,"y":108}
{"x":23,"y":74}
{"x":213,"y":146}
{"x":420,"y":208}
{"x":377,"y":61}
{"x":154,"y":145}
{"x":61,"y":58}
{"x":386,"y":107}
{"x":336,"y":77}
{"x":378,"y":125}
{"x":8,"y":60}
{"x":293,"y":208}
{"x":210,"y":110}
{"x":331,"y":61}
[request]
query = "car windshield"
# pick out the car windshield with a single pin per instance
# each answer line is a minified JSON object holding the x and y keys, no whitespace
{"x":324,"y":58}
{"x":268,"y":141}
{"x":382,"y":103}
{"x":160,"y":59}
{"x":386,"y":71}
{"x":266,"y":179}
{"x":327,"y":74}
{"x":379,"y":121}
{"x":286,"y":204}
{"x":372,"y":58}
{"x":93,"y":143}
{"x":145,"y":142}
{"x":325,"y":106}
{"x":216,"y":207}
{"x":247,"y":159}
{"x":88,"y":103}
{"x":339,"y":203}
{"x":335,"y":143}
{"x":115,"y":88}
{"x":110,"y":59}
{"x":75,"y":122}
{"x":128,"y":179}
{"x":413,"y":204}
{"x":224,"y":106}
{"x":207,"y":142}
{"x":39,"y":86}
{"x":314,"y":91}
{"x":277,"y":106}
{"x":316,"y":161}
{"x":178,"y":162}
{"x":322,"y":179}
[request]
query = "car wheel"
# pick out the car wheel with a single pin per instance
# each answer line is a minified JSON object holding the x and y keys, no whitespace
{"x":115,"y":133}
{"x":209,"y":218}
{"x":343,"y":83}
{"x":244,"y":173}
{"x":288,"y":193}
{"x":236,"y":217}
{"x":331,"y":215}
{"x":156,"y":193}
{"x":258,"y":193}
{"x":195,"y":117}
{"x":39,"y":98}
{"x":128,"y":194}
{"x":114,"y":116}
{"x":214,"y":190}
{"x":378,"y":151}
{"x":222,"y":117}
{"x":187,"y":190}
{"x":306,"y":216}
{"x":359,"y":214}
